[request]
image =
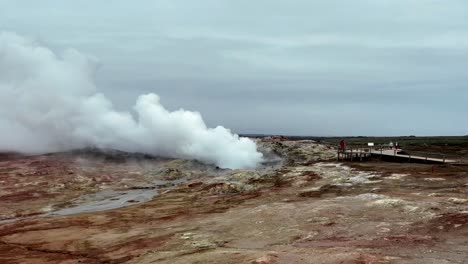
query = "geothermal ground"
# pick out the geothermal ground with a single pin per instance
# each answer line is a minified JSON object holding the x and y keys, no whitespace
{"x":301,"y":207}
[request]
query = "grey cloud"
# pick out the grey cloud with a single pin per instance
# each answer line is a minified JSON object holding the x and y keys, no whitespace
{"x":319,"y":67}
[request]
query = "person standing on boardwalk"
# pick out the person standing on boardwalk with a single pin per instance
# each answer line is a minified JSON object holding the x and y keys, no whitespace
{"x":342,"y":145}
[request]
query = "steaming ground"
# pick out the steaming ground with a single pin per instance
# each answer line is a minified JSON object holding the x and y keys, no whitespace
{"x":116,"y":207}
{"x":49,"y":102}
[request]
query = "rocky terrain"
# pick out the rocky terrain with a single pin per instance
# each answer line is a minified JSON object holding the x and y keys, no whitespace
{"x":299,"y":206}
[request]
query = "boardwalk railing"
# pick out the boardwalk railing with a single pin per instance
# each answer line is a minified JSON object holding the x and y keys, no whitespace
{"x":354,"y":152}
{"x":361,"y":152}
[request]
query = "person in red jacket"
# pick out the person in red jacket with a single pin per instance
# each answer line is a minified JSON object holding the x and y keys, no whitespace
{"x":342,"y":145}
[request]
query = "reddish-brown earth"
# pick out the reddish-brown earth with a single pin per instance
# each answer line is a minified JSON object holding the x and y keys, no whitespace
{"x":305,"y":210}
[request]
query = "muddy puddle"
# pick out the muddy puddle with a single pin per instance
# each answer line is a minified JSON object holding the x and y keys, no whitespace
{"x":114,"y":199}
{"x":106,"y":200}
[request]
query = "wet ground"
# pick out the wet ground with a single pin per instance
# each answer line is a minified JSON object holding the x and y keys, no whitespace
{"x":306,"y":209}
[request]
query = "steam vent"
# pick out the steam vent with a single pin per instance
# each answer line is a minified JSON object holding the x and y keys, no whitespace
{"x":233,"y":132}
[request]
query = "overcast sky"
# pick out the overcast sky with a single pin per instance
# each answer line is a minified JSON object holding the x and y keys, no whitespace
{"x":303,"y":67}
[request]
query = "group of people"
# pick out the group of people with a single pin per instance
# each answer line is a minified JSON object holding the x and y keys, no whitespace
{"x":393,"y":146}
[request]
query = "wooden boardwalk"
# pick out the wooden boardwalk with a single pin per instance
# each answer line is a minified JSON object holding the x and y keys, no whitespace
{"x":360,"y":154}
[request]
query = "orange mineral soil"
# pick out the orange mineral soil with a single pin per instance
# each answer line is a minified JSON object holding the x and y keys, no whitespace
{"x":112,"y":207}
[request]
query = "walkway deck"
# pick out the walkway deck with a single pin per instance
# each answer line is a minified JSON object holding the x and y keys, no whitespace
{"x":395,"y":154}
{"x":388,"y":154}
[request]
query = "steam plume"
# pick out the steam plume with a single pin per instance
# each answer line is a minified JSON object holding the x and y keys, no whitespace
{"x":49,"y":102}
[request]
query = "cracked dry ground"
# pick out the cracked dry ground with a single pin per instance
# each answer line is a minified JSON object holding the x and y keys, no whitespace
{"x":318,"y":212}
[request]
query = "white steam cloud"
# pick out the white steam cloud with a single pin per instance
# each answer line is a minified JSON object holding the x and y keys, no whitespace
{"x":49,"y":102}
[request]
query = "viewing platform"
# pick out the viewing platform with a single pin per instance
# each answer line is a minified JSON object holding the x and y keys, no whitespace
{"x":397,"y":155}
